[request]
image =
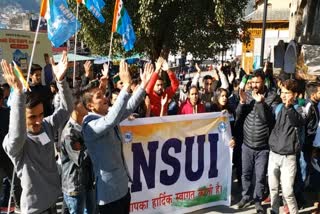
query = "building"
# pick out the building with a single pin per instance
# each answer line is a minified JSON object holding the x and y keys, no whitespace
{"x":277,"y":28}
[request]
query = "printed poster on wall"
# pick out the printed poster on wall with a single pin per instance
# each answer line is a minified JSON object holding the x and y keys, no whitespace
{"x":178,"y":164}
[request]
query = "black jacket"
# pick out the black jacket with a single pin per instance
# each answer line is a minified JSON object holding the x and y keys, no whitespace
{"x":5,"y":162}
{"x":284,"y":138}
{"x":258,"y":119}
{"x":312,"y":121}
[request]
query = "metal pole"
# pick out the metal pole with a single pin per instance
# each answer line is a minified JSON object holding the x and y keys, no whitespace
{"x":110,"y":50}
{"x":263,"y":31}
{"x":11,"y":190}
{"x":75,"y":50}
{"x":33,"y":48}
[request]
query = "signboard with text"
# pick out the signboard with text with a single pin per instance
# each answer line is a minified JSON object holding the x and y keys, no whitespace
{"x":178,"y":164}
{"x":17,"y":45}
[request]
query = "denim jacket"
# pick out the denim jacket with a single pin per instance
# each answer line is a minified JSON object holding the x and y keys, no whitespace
{"x":103,"y":139}
{"x":77,"y":173}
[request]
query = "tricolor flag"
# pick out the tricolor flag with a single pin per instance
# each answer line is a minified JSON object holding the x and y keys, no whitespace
{"x":122,"y":25}
{"x":17,"y":71}
{"x":95,"y":7}
{"x":62,"y":24}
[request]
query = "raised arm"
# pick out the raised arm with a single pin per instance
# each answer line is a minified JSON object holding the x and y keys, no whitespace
{"x":154,"y":76}
{"x":99,"y":126}
{"x":60,"y":117}
{"x":140,"y":93}
{"x":171,"y":90}
{"x":16,"y":137}
{"x":196,"y":77}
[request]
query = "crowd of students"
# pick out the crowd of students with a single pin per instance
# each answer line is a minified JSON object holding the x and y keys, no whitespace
{"x":274,"y":122}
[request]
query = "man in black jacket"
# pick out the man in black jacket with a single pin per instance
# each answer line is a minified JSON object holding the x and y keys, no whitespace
{"x":285,"y":141}
{"x":255,"y":109}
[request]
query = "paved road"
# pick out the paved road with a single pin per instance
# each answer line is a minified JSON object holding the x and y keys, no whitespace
{"x":236,"y":196}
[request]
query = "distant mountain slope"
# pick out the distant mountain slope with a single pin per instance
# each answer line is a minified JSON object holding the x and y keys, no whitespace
{"x":31,"y":5}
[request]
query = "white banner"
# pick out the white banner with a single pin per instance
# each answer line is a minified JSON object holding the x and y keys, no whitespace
{"x":178,"y":164}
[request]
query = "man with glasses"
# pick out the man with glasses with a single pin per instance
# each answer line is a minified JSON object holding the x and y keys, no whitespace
{"x":285,"y":143}
{"x":255,"y":109}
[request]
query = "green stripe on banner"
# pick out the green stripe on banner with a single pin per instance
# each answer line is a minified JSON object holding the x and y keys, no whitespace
{"x":120,"y":19}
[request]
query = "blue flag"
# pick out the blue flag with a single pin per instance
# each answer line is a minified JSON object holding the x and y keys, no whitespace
{"x":62,"y":24}
{"x":125,"y":29}
{"x":95,"y":7}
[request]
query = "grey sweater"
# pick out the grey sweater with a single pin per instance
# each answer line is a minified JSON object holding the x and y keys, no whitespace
{"x":34,"y":161}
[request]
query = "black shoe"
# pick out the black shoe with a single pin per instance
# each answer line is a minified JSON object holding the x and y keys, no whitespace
{"x":244,"y":203}
{"x":259,"y":208}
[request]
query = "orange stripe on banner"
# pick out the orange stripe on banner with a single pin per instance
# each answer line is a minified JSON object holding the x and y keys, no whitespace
{"x":44,"y":6}
{"x":147,"y":132}
{"x":115,"y":14}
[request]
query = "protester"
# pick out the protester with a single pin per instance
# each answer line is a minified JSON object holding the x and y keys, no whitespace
{"x":255,"y":109}
{"x":44,"y":91}
{"x":6,"y":93}
{"x":284,"y":145}
{"x":193,"y":104}
{"x":155,"y":89}
{"x":103,"y":140}
{"x":77,"y":172}
{"x":304,"y":158}
{"x":48,"y":74}
{"x":29,"y":142}
{"x":6,"y":166}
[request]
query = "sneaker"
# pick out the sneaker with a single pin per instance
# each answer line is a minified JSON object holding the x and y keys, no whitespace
{"x":266,"y":201}
{"x":259,"y":208}
{"x":17,"y":209}
{"x":286,"y":209}
{"x":244,"y":203}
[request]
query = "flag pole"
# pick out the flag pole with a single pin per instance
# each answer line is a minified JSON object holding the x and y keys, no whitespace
{"x":33,"y":48}
{"x":110,"y":49}
{"x":75,"y":49}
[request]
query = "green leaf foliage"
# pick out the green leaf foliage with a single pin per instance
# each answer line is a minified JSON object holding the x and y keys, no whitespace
{"x":202,"y":27}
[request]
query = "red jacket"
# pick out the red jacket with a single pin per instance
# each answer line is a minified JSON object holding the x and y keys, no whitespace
{"x":155,"y":99}
{"x":187,"y":108}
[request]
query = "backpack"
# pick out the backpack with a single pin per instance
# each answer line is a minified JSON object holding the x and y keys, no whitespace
{"x":300,"y":131}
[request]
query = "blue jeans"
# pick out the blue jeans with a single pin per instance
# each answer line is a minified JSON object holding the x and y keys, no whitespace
{"x":82,"y":203}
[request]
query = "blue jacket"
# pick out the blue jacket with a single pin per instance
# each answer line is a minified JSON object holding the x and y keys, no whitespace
{"x":103,"y":139}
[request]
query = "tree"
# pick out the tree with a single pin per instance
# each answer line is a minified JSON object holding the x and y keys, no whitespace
{"x":201,"y":27}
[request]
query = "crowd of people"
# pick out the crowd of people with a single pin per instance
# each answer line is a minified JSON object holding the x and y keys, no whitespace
{"x":274,"y":122}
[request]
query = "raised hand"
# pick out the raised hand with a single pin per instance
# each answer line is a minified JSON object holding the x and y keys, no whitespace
{"x":289,"y":101}
{"x":165,"y":66}
{"x":159,"y":64}
{"x":146,"y":75}
{"x":105,"y":70}
{"x":124,"y":73}
{"x":197,"y":67}
{"x":164,"y":100}
{"x":105,"y":77}
{"x":87,"y":69}
{"x":11,"y":77}
{"x":243,"y":96}
{"x":60,"y":70}
{"x":257,"y":97}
